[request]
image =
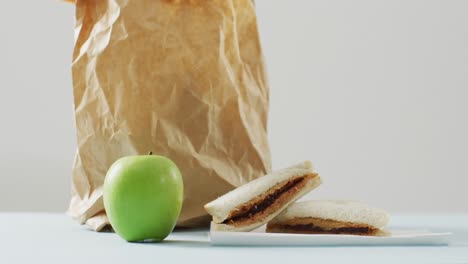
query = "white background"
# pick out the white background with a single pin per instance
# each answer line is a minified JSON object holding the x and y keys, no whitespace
{"x":375,"y":93}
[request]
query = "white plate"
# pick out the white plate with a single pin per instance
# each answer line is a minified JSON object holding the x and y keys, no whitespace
{"x":260,"y":238}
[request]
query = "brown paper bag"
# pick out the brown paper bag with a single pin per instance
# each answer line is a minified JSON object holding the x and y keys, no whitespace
{"x":184,"y":79}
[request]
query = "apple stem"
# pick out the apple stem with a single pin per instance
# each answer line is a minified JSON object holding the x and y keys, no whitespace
{"x":150,"y":153}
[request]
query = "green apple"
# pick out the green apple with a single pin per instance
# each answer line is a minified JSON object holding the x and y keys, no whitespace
{"x":143,"y":197}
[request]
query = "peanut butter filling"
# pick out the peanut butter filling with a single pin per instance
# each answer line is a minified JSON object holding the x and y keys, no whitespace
{"x":321,"y":226}
{"x":262,"y":206}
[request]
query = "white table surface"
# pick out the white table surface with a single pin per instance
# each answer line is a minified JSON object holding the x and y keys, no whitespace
{"x":55,"y":238}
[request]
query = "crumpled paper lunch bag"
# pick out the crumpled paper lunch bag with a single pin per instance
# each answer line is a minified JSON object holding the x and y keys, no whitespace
{"x":184,"y":79}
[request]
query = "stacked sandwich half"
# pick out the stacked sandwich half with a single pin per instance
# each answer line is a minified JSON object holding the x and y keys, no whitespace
{"x":271,"y":200}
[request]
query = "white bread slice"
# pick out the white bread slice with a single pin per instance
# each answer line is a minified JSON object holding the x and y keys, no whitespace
{"x":338,"y":210}
{"x":221,"y":207}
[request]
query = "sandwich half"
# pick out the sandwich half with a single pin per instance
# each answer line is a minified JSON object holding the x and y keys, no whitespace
{"x":330,"y":217}
{"x":257,"y":202}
